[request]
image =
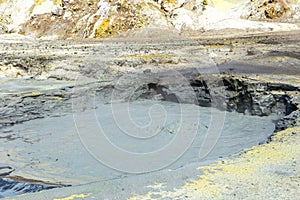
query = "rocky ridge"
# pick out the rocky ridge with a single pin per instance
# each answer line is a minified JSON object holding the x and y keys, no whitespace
{"x":93,"y":19}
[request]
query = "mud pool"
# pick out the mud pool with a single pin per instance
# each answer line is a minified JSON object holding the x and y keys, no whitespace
{"x":50,"y":149}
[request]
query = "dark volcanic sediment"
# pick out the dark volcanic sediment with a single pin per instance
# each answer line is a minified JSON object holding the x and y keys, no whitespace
{"x":99,"y":65}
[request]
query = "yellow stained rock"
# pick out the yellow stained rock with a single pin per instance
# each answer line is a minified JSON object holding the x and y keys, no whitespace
{"x":171,"y":1}
{"x":73,"y":197}
{"x":248,"y":168}
{"x":148,"y":57}
{"x":103,"y":29}
{"x":57,"y":2}
{"x":222,"y":5}
{"x":39,"y":2}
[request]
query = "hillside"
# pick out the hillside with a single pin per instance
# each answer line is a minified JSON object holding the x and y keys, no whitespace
{"x":93,"y":19}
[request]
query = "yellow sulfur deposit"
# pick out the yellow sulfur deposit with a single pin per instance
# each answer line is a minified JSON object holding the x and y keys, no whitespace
{"x":171,"y":1}
{"x":74,"y":196}
{"x":222,"y":5}
{"x":57,"y":2}
{"x":39,"y":2}
{"x":249,"y":168}
{"x":103,"y":29}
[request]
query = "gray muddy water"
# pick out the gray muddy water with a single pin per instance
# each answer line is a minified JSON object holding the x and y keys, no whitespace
{"x":59,"y":149}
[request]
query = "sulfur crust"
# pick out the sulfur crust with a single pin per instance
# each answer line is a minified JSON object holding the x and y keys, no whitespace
{"x":250,"y":167}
